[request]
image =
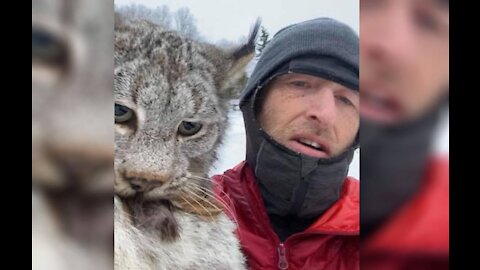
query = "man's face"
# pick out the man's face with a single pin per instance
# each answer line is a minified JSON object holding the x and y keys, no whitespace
{"x":403,"y":57}
{"x":310,"y":115}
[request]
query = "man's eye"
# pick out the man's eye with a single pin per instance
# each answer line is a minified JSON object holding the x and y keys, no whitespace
{"x":427,"y":22}
{"x":300,"y":84}
{"x":345,"y":100}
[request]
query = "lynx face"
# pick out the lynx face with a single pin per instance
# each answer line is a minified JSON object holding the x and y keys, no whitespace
{"x":170,"y":114}
{"x":72,"y":168}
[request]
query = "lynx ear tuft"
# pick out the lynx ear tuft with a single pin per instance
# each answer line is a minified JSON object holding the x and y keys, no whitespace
{"x":240,"y":58}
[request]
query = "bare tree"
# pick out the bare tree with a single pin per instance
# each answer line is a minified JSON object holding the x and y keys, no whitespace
{"x":161,"y":15}
{"x":185,"y":23}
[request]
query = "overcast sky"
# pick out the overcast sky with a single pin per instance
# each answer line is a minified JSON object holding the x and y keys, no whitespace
{"x":231,"y":19}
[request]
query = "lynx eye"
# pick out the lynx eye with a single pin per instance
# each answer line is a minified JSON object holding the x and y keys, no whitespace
{"x":188,"y":128}
{"x":122,"y":114}
{"x":47,"y":49}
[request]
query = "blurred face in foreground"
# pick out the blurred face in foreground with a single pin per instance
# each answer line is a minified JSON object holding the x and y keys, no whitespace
{"x":404,"y":58}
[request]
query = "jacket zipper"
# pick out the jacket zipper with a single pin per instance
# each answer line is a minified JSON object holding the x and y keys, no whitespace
{"x":282,"y":258}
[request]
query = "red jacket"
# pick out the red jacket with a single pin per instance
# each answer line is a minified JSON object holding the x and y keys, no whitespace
{"x":417,"y":237}
{"x":332,"y":242}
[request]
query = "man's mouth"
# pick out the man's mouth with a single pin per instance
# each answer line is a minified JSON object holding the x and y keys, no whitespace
{"x":379,"y":107}
{"x":309,"y":146}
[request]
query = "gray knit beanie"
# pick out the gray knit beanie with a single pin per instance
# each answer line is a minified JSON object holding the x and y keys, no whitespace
{"x":321,"y":47}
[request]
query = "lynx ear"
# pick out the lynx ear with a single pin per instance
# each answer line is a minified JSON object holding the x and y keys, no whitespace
{"x":239,"y":59}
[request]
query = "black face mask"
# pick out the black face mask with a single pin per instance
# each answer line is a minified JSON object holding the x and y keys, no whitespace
{"x":392,"y":166}
{"x":298,"y":185}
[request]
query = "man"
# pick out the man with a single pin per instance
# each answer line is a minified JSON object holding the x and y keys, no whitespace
{"x":404,"y":81}
{"x":293,"y":202}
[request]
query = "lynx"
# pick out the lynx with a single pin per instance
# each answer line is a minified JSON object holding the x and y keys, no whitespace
{"x":171,"y":106}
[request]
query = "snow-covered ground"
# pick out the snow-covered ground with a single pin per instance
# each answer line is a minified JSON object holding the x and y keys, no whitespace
{"x":232,"y":151}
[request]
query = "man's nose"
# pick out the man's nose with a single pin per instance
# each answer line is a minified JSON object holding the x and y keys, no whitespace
{"x":389,"y":40}
{"x":321,"y":107}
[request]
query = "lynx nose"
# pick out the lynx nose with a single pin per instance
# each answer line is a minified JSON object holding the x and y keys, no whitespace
{"x":137,"y":184}
{"x":144,"y":183}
